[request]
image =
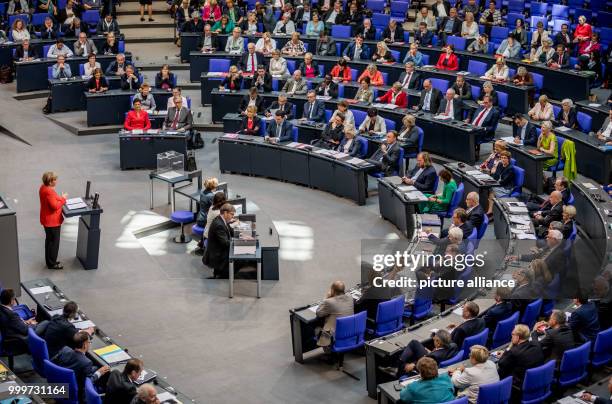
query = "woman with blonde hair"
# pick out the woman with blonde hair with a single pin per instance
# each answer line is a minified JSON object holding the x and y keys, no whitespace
{"x":482,"y":371}
{"x":51,"y":217}
{"x":382,"y":53}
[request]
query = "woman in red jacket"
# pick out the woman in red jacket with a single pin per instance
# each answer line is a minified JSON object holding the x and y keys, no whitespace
{"x":51,"y":217}
{"x":448,"y":60}
{"x":137,"y":118}
{"x":341,"y":71}
{"x":395,"y":96}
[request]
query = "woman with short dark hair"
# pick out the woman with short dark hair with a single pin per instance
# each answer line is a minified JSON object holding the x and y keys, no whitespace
{"x":439,"y":203}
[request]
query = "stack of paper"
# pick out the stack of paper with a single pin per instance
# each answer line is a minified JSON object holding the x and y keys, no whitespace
{"x":41,"y":290}
{"x":170,"y":175}
{"x":81,"y":325}
{"x":112,"y":354}
{"x":589,"y":185}
{"x":415,"y":196}
{"x":510,"y":139}
{"x":245,"y":249}
{"x":563,"y":129}
{"x":75,"y":203}
{"x":518,"y":219}
{"x":356,"y":161}
{"x":443,"y":117}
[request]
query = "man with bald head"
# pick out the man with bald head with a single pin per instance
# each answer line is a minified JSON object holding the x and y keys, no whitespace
{"x":336,"y":304}
{"x":450,"y":106}
{"x":474,"y":211}
{"x":543,"y":218}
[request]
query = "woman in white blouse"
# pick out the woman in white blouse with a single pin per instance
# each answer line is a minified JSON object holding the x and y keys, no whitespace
{"x":499,"y":71}
{"x":19,"y":30}
{"x":349,"y":118}
{"x":265,"y":44}
{"x":469,"y":27}
{"x":278,"y":65}
{"x":91,"y":65}
{"x":542,"y":111}
{"x":469,"y":380}
{"x":544,"y":53}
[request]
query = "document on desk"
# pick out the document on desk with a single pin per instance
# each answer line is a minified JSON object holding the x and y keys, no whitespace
{"x":356,"y":161}
{"x":406,"y":188}
{"x":518,"y":209}
{"x":167,"y":398}
{"x":510,"y":139}
{"x":81,"y":325}
{"x":526,"y":236}
{"x":112,"y":354}
{"x":395,"y":180}
{"x":41,"y":290}
{"x":415,"y":196}
{"x":589,"y":185}
{"x":518,"y":219}
{"x":75,"y":203}
{"x":473,"y":172}
{"x":563,"y":129}
{"x":245,"y":249}
{"x":170,"y":175}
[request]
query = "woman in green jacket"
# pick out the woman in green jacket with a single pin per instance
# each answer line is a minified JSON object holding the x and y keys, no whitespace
{"x":223,"y":26}
{"x":439,"y":203}
{"x":430,"y":388}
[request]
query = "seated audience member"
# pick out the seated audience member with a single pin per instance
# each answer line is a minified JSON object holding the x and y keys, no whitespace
{"x":325,"y":46}
{"x":234,"y":13}
{"x":386,"y":158}
{"x":560,"y":59}
{"x":504,"y":174}
{"x":334,"y":15}
{"x":309,"y":68}
{"x":91,"y":65}
{"x":382,"y":53}
{"x":443,"y":349}
{"x":60,"y":331}
{"x":349,"y":118}
{"x":183,"y":13}
{"x":13,"y":329}
{"x":218,"y":200}
{"x":336,"y":304}
{"x":147,"y":101}
{"x":179,"y":117}
{"x":425,"y":16}
{"x":410,"y":79}
{"x":564,"y":37}
{"x":332,"y":133}
{"x":107,"y":24}
{"x":146,"y":394}
{"x":327,"y":88}
{"x":491,"y":17}
{"x":137,"y":119}
{"x":554,"y":336}
{"x":553,"y":256}
{"x":431,"y":388}
{"x":494,"y":158}
{"x":250,"y":60}
{"x":584,"y":321}
{"x":430,"y":98}
{"x":480,"y":45}
{"x":225,"y":26}
{"x":522,"y":355}
{"x":48,"y":31}
{"x":547,"y":144}
{"x":278,"y":65}
{"x":349,"y":143}
{"x":261,"y":80}
{"x":463,"y":90}
{"x":605,"y":133}
{"x":61,"y":70}
{"x":567,"y":115}
{"x":209,"y":41}
{"x":59,"y":49}
{"x":19,"y":32}
{"x":296,"y":84}
{"x":280,"y":128}
{"x":501,"y":310}
{"x":73,"y":29}
{"x":552,"y":213}
{"x":250,"y":123}
{"x":450,"y":25}
{"x":440,"y":202}
{"x":544,"y":53}
{"x":373,"y":124}
{"x":121,"y":385}
{"x":219,"y":238}
{"x":423,"y":36}
{"x":164,"y":79}
{"x":26,"y":51}
{"x":341,"y":71}
{"x":365,"y":93}
{"x":235,"y":43}
{"x":366,"y":30}
{"x":251,"y":99}
{"x":488,"y":90}
{"x":458,"y":221}
{"x":450,"y":106}
{"x":282,"y":105}
{"x":314,"y":110}
{"x":211,"y":11}
{"x":117,"y":66}
{"x":265,"y":44}
{"x":499,"y":71}
{"x":97,"y":83}
{"x":394,"y":96}
{"x":471,"y":325}
{"x":393,"y":32}
{"x":233,"y":80}
{"x":587,"y":48}
{"x":542,"y":110}
{"x":520,"y":33}
{"x":356,"y":50}
{"x":76,"y":360}
{"x":130,"y":79}
{"x":284,"y":26}
{"x":568,"y":221}
{"x":469,"y":28}
{"x":249,"y":25}
{"x":423,"y":175}
{"x":84,"y":46}
{"x":469,"y":379}
{"x":414,"y":56}
{"x":475,"y":213}
{"x":315,"y":26}
{"x":524,"y":131}
{"x":409,"y":134}
{"x":509,"y":48}
{"x":538,"y":37}
{"x":176,"y":92}
{"x":486,"y":116}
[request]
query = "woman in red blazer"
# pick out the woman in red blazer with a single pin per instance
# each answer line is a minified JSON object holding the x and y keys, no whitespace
{"x":51,"y":217}
{"x":395,"y":96}
{"x":137,"y":118}
{"x":448,"y":60}
{"x":341,"y":71}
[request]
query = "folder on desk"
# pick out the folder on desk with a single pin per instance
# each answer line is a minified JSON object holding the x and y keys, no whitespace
{"x":112,"y":354}
{"x":535,"y":152}
{"x":395,"y":180}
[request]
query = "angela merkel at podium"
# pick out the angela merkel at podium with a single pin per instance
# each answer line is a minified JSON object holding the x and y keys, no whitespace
{"x":51,"y":217}
{"x":137,"y":118}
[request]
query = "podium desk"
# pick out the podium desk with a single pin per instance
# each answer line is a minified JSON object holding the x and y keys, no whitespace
{"x":88,"y":236}
{"x":233,"y":257}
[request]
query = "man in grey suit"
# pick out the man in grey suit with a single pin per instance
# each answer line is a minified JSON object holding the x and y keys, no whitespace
{"x":296,"y":84}
{"x":336,"y":304}
{"x":451,"y":106}
{"x":279,"y":129}
{"x":179,"y":117}
{"x":84,"y":46}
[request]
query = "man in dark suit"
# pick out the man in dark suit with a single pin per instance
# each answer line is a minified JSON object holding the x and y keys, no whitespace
{"x":194,"y":25}
{"x":327,"y":87}
{"x":120,"y":388}
{"x":553,"y":254}
{"x":553,"y":214}
{"x":501,"y":310}
{"x":423,"y":36}
{"x":354,"y":145}
{"x":555,"y":336}
{"x":81,"y":365}
{"x":561,"y":185}
{"x":443,"y":349}
{"x":106,"y":25}
{"x":366,"y":30}
{"x":449,"y":25}
{"x":386,"y":157}
{"x":440,"y":8}
{"x":486,"y":117}
{"x":475,"y":212}
{"x":26,"y":51}
{"x":251,"y":59}
{"x":393,"y":32}
{"x":262,"y":80}
{"x":354,"y":16}
{"x":471,"y":326}
{"x":357,"y":50}
{"x":560,"y":60}
{"x":219,"y":238}
{"x":279,"y":129}
{"x":179,"y":117}
{"x":208,"y":41}
{"x":251,"y":98}
{"x":523,"y":355}
{"x":584,"y":321}
{"x":423,"y":175}
{"x":334,"y":15}
{"x":410,"y":79}
{"x":314,"y":110}
{"x":523,"y":292}
{"x":524,"y":131}
{"x":13,"y":329}
{"x":451,"y":106}
{"x":60,"y":331}
{"x":430,"y":98}
{"x":459,"y":220}
{"x":281,"y":105}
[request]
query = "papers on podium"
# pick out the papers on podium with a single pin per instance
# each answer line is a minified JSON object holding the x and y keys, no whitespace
{"x":245,"y":249}
{"x":75,"y":203}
